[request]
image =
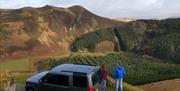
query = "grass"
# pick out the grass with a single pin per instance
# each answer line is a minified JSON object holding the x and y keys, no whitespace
{"x":22,"y":77}
{"x":126,"y":87}
{"x":22,"y":64}
{"x":5,"y":77}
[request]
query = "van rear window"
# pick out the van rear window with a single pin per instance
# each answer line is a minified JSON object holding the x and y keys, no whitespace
{"x":97,"y":77}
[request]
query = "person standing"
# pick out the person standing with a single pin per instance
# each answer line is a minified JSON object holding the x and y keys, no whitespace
{"x":119,"y":74}
{"x":104,"y":71}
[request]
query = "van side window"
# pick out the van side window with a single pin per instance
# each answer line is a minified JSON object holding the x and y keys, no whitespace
{"x":80,"y":81}
{"x":60,"y":80}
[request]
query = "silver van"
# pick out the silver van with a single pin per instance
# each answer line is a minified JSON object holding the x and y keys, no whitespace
{"x":67,"y":77}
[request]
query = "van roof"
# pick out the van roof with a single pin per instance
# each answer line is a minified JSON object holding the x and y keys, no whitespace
{"x":77,"y":68}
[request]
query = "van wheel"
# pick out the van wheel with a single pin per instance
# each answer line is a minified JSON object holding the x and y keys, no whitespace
{"x":30,"y":89}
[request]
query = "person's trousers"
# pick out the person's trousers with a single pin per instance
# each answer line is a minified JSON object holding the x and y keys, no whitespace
{"x":121,"y":84}
{"x":104,"y":85}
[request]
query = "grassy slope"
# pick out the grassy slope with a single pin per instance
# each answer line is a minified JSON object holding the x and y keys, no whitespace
{"x":15,"y":65}
{"x":167,"y":46}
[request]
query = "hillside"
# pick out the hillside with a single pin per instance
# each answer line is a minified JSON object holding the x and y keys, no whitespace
{"x":37,"y":30}
{"x":47,"y":30}
{"x":146,"y":37}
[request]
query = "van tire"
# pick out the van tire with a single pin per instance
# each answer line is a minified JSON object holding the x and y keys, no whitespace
{"x":30,"y":89}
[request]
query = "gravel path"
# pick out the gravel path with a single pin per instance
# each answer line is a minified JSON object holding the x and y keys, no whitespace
{"x":20,"y":87}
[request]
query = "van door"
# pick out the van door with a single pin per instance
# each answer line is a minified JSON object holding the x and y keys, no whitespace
{"x":80,"y":82}
{"x":96,"y":80}
{"x":54,"y":82}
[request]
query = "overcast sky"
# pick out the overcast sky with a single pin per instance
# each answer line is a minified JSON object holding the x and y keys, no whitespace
{"x":109,"y":8}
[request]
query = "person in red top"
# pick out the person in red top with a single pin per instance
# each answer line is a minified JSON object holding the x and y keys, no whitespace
{"x":104,"y":71}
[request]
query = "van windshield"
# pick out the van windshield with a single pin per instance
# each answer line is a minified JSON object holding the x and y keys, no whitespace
{"x":97,"y":77}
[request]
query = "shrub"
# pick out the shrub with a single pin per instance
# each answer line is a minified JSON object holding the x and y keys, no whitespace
{"x":32,"y":43}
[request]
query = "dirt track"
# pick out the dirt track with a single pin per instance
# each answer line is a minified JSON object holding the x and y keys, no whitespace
{"x":167,"y":85}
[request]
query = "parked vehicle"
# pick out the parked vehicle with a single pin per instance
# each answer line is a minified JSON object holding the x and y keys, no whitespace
{"x":67,"y":77}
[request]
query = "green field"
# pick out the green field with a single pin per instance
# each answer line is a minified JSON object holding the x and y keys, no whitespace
{"x":22,"y":64}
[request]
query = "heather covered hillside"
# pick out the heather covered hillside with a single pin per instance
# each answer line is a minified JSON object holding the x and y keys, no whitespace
{"x":38,"y":30}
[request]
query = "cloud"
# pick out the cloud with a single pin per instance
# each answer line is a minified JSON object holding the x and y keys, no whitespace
{"x":109,"y":8}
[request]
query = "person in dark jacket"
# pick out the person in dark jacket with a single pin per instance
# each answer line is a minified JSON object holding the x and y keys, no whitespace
{"x":104,"y":71}
{"x":119,"y":74}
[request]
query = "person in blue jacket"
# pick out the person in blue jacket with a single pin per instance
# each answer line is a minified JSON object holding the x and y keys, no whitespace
{"x":119,"y":74}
